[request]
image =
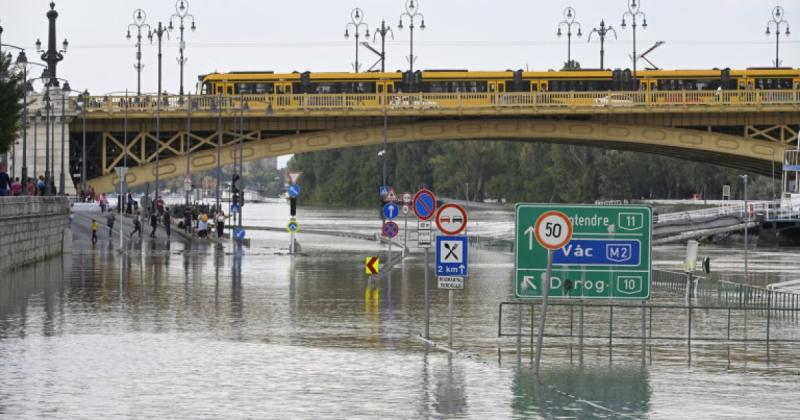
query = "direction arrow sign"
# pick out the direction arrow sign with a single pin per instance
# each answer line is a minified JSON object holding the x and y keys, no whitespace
{"x":372,"y":265}
{"x":391,"y":211}
{"x":293,"y":225}
{"x":424,"y":204}
{"x":238,"y":233}
{"x":293,"y":190}
{"x":451,"y":219}
{"x":452,"y":254}
{"x":608,"y":256}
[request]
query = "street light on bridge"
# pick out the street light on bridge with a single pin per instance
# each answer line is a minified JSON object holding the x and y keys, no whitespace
{"x":633,"y":13}
{"x":602,"y":31}
{"x":182,"y":13}
{"x":356,"y":22}
{"x":411,"y":13}
{"x":139,"y":24}
{"x":777,"y":20}
{"x":568,"y":23}
{"x":158,"y":33}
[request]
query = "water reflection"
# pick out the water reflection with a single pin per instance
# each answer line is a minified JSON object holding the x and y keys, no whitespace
{"x":581,"y":393}
{"x":37,"y":285}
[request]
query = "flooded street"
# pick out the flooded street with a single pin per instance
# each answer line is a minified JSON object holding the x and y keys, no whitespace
{"x":192,"y":330}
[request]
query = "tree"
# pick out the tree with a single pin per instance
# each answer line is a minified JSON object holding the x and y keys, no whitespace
{"x":10,"y":105}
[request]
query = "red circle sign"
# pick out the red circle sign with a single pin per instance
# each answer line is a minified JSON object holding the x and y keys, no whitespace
{"x":424,"y":204}
{"x":451,"y":219}
{"x":553,"y":230}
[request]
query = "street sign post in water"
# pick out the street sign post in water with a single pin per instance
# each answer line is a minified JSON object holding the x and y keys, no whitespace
{"x":607,"y":256}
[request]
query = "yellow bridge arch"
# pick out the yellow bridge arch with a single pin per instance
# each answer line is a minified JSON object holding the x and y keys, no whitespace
{"x":758,"y":156}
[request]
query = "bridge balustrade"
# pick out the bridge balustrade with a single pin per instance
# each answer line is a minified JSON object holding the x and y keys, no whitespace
{"x":587,"y":101}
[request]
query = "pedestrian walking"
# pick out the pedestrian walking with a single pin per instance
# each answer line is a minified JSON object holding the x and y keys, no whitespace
{"x":5,"y":182}
{"x":40,"y":185}
{"x":202,"y":225}
{"x":187,"y":219}
{"x":110,"y":219}
{"x":167,"y":222}
{"x":16,"y":187}
{"x":153,"y":224}
{"x":137,"y":226}
{"x":94,"y":231}
{"x":129,"y":203}
{"x":220,"y":218}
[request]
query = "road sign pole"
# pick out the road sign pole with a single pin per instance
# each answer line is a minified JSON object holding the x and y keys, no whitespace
{"x":405,"y":234}
{"x":545,"y":292}
{"x":390,"y":261}
{"x":291,"y":243}
{"x":450,"y":318}
{"x":427,"y":298}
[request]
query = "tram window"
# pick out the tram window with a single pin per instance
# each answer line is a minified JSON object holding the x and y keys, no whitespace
{"x":262,"y":88}
{"x":243,"y":88}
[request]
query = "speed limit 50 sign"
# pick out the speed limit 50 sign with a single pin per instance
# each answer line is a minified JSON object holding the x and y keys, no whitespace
{"x":599,"y":252}
{"x":553,"y":230}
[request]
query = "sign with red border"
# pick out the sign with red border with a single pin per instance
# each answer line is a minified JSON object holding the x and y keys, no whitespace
{"x":553,"y":230}
{"x":451,"y":219}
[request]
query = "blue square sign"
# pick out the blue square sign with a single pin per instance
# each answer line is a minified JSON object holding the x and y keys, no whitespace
{"x":452,"y":254}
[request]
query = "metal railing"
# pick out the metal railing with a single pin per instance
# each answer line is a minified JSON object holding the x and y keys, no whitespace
{"x":398,"y":102}
{"x":771,"y":210}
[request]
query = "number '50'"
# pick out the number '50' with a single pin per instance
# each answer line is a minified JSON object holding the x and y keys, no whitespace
{"x":552,"y":230}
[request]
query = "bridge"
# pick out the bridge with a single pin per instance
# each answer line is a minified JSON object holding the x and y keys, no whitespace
{"x":742,"y":129}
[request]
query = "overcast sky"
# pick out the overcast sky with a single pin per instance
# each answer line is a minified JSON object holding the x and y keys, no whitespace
{"x":465,"y":34}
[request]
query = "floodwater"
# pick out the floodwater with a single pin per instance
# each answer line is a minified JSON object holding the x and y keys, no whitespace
{"x":191,"y":330}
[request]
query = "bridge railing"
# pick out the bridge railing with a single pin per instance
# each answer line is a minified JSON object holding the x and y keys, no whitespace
{"x":451,"y":101}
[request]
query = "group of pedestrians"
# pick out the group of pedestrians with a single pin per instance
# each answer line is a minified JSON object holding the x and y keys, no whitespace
{"x":16,"y":187}
{"x":197,"y":220}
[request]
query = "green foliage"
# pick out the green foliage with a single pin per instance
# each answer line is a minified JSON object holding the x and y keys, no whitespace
{"x":511,"y":171}
{"x":10,"y":104}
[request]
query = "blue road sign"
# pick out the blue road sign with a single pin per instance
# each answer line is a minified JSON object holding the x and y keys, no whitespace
{"x":424,"y":204}
{"x":391,"y":211}
{"x":292,"y":226}
{"x":293,"y":190}
{"x":384,"y":190}
{"x":238,"y":233}
{"x":235,"y":208}
{"x":390,"y":229}
{"x":599,"y":252}
{"x":452,"y":254}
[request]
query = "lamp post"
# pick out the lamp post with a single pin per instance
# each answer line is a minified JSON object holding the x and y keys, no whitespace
{"x":36,"y":117}
{"x":411,"y":13}
{"x":218,"y":105}
{"x":139,"y":17}
{"x":191,"y":105}
{"x":82,"y":104}
{"x":356,"y":22}
{"x":53,"y":55}
{"x":746,"y":228}
{"x":602,"y":31}
{"x":158,"y":33}
{"x":633,"y":12}
{"x":47,"y":108}
{"x":243,"y":106}
{"x":27,"y":87}
{"x":182,"y":13}
{"x":64,"y":92}
{"x":777,"y":20}
{"x":568,"y":23}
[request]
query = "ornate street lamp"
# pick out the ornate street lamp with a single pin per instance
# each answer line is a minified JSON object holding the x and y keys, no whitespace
{"x":139,"y":17}
{"x":633,"y":13}
{"x":412,"y":13}
{"x":356,"y":22}
{"x":602,"y":31}
{"x":777,"y":20}
{"x":568,"y":24}
{"x":182,"y":14}
{"x":159,"y":33}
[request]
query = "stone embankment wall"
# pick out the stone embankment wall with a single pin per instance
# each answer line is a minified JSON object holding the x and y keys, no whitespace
{"x":31,"y":229}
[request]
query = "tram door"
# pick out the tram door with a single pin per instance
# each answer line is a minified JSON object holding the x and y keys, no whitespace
{"x":745,"y":87}
{"x":384,"y":89}
{"x":496,"y":89}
